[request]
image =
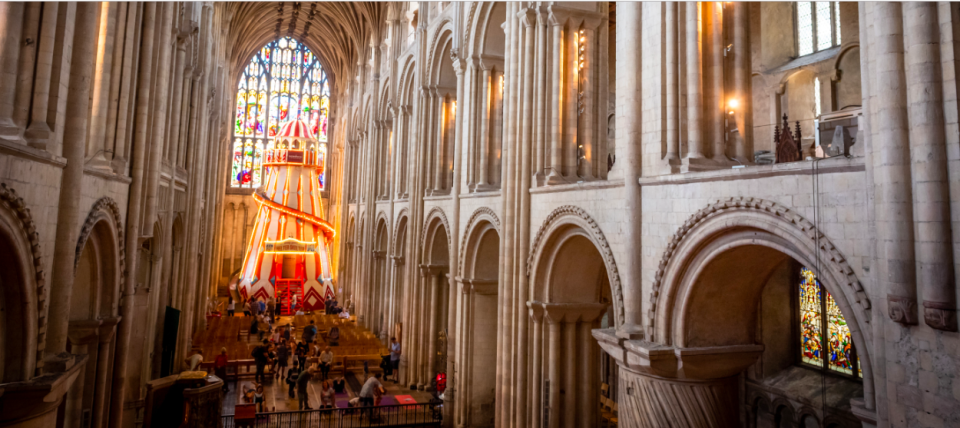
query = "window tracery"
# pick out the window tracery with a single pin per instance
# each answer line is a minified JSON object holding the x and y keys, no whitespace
{"x":282,"y":83}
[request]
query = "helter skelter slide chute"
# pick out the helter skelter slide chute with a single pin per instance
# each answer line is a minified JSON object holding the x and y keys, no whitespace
{"x":288,"y":253}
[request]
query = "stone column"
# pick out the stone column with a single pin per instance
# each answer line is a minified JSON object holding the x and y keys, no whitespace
{"x":587,"y":391}
{"x":571,"y":366}
{"x":589,"y":150}
{"x":96,"y":151}
{"x":436,"y":281}
{"x":694,"y":159}
{"x":421,"y":318}
{"x":176,"y":104}
{"x":159,"y":114}
{"x":629,"y":108}
{"x":742,"y":83}
{"x":894,"y":211}
{"x":553,"y":371}
{"x":556,"y":102}
{"x":667,"y":386}
{"x":714,"y":101}
{"x":672,"y":158}
{"x":38,"y":131}
{"x":28,"y":57}
{"x":441,"y":126}
{"x":488,"y":86}
{"x":107,"y":329}
{"x":81,"y":335}
{"x":71,"y":189}
{"x":11,"y":25}
{"x":928,"y":153}
{"x":536,"y":364}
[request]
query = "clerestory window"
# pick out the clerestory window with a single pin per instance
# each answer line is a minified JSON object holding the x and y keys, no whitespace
{"x":283,"y":82}
{"x":818,"y":26}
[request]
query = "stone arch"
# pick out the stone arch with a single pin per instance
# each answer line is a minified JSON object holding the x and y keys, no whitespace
{"x":381,"y":233}
{"x":480,"y":218}
{"x":434,"y":219}
{"x":399,"y":233}
{"x":746,"y":233}
{"x":104,"y":225}
{"x":22,"y":331}
{"x":569,"y":216}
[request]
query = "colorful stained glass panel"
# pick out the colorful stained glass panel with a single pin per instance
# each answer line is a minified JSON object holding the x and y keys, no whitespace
{"x":839,"y":340}
{"x":810,"y":304}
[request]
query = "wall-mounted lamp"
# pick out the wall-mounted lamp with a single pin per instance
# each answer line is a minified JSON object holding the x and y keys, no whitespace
{"x":732,"y":105}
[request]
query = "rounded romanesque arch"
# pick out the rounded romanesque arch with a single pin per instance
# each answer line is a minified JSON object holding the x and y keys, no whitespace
{"x":433,"y":219}
{"x":481,"y":217}
{"x":569,"y":216}
{"x":23,"y":296}
{"x":104,"y":225}
{"x":726,"y":239}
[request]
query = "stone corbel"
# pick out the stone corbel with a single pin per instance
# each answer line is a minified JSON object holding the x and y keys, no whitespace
{"x":379,"y":255}
{"x":902,"y":309}
{"x":108,"y":327}
{"x":83,"y":332}
{"x":535,"y":309}
{"x":573,"y":312}
{"x":484,"y":287}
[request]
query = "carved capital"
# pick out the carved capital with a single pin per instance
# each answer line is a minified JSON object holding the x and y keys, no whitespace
{"x":902,"y":309}
{"x":940,"y":315}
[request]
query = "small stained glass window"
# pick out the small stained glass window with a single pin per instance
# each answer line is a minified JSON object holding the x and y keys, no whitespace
{"x":818,"y":26}
{"x":283,"y":82}
{"x":824,"y":333}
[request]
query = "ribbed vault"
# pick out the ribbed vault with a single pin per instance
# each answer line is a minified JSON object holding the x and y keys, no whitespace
{"x":335,"y":32}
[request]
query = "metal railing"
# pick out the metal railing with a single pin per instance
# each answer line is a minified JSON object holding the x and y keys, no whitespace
{"x":402,"y":415}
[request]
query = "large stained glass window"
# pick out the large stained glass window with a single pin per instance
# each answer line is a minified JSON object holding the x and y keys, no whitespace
{"x":818,"y":26}
{"x":824,"y":333}
{"x":283,"y":82}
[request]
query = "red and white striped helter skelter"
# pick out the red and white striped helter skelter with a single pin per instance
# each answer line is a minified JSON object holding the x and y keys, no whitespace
{"x":288,"y":253}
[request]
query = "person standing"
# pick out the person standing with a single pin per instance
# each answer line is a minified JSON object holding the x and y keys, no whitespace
{"x":283,"y":356}
{"x":309,"y":333}
{"x":263,"y":307}
{"x":326,"y":361}
{"x":261,"y":359}
{"x":220,"y":367}
{"x":301,"y":353}
{"x":271,"y":309}
{"x":395,"y":358}
{"x":302,"y":381}
{"x":370,"y":388}
{"x":231,"y":307}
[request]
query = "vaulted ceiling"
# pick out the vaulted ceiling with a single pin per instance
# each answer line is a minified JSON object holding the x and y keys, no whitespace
{"x":335,"y":32}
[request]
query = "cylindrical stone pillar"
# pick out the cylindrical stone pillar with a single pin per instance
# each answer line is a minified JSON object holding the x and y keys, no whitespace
{"x":556,"y":103}
{"x":672,"y":80}
{"x":894,"y":211}
{"x":928,"y":153}
{"x":571,"y":368}
{"x":714,"y":104}
{"x":742,"y":83}
{"x":695,"y":142}
{"x":434,"y":315}
{"x":553,"y":364}
{"x":11,"y":25}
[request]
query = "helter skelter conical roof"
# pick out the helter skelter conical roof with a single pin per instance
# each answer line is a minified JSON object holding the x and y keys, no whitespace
{"x":288,"y":251}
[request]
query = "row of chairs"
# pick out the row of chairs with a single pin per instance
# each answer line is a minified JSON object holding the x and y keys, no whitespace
{"x":608,"y":407}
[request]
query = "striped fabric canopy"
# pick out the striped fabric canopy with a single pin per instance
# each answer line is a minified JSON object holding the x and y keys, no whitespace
{"x":296,"y":129}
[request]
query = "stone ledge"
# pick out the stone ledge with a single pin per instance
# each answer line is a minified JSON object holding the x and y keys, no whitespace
{"x":825,"y":166}
{"x":580,"y":185}
{"x":30,"y":153}
{"x":486,"y":194}
{"x":108,"y":175}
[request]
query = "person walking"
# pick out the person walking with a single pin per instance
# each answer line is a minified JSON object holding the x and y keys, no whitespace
{"x":220,"y":367}
{"x":395,"y":359}
{"x":326,"y":361}
{"x":292,"y":375}
{"x":302,"y":382}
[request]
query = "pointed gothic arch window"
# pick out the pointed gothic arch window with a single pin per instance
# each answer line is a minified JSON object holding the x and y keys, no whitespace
{"x":824,"y":333}
{"x":283,"y":82}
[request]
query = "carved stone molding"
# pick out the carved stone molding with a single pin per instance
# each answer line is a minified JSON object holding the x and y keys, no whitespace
{"x":902,"y":309}
{"x":939,"y":315}
{"x":104,"y":209}
{"x":482,"y":213}
{"x":563,"y":214}
{"x":396,"y":229}
{"x":832,"y":258}
{"x":10,"y":201}
{"x":435,"y":212}
{"x":650,"y":402}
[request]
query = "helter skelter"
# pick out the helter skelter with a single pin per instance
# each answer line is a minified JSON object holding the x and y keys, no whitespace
{"x":288,"y":252}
